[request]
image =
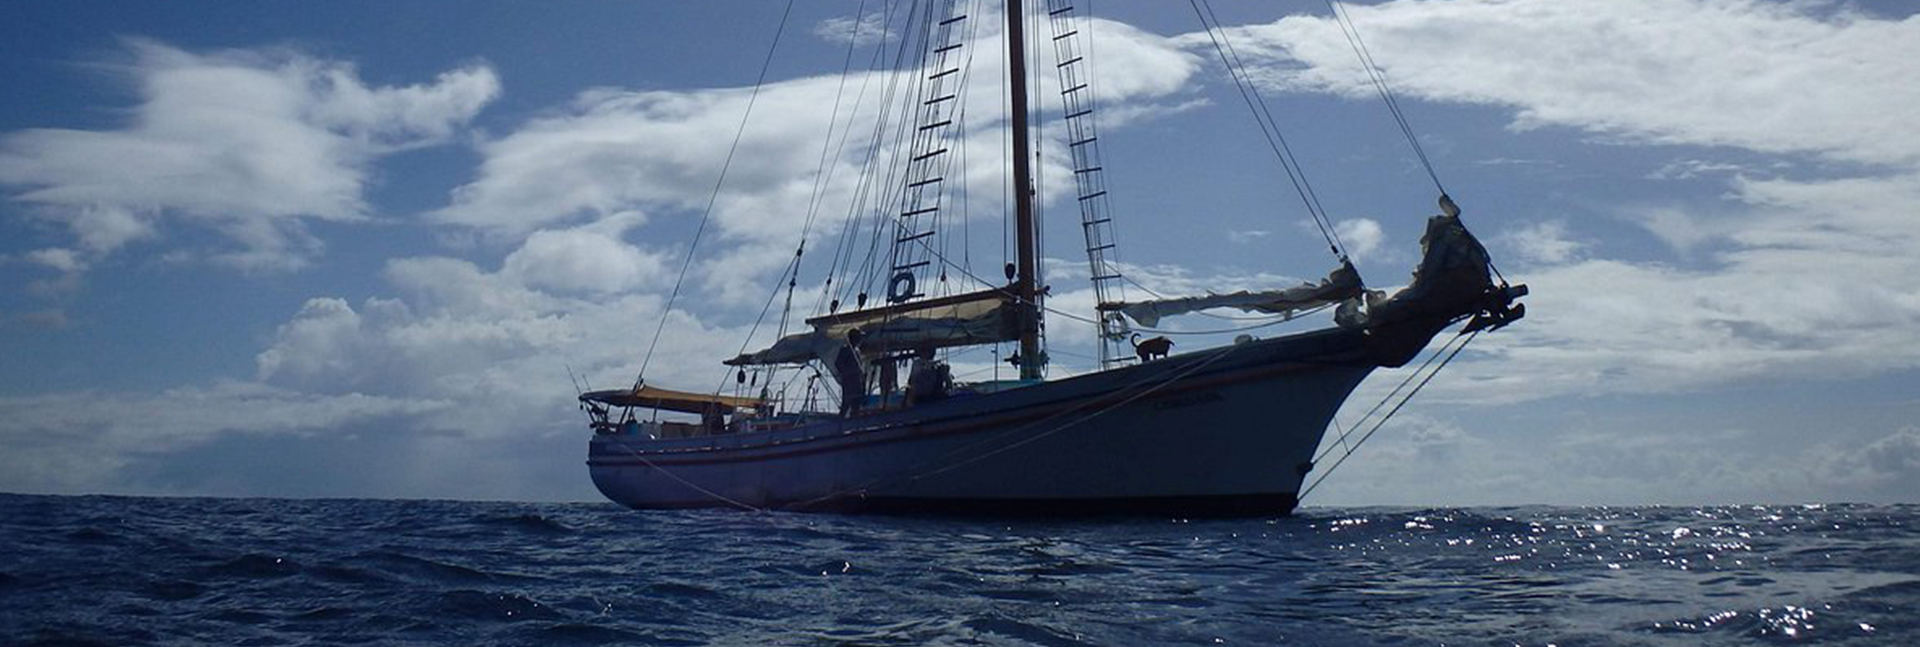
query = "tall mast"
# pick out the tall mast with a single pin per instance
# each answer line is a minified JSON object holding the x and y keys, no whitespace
{"x":1024,"y":284}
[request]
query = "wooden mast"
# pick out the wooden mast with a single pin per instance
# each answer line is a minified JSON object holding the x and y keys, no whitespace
{"x":1031,"y":358}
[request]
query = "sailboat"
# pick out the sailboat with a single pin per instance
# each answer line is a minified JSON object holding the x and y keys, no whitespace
{"x":1229,"y":430}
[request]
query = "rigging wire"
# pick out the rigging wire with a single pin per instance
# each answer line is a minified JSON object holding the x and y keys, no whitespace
{"x":1266,"y":322}
{"x":851,"y":228}
{"x":1379,"y":78}
{"x":1389,"y":416}
{"x":823,"y":177}
{"x":707,"y":214}
{"x":1312,"y":195}
{"x":824,"y":172}
{"x":1269,"y":129}
{"x":1307,"y":196}
{"x":1362,"y":421}
{"x":755,"y":329}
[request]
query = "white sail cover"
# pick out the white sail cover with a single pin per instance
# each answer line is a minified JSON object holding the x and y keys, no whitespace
{"x":983,"y":317}
{"x":1342,"y":284}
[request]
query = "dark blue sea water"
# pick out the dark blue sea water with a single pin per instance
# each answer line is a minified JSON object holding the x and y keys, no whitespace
{"x":119,"y":571}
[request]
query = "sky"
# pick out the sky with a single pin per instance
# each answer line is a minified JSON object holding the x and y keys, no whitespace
{"x":359,"y":249}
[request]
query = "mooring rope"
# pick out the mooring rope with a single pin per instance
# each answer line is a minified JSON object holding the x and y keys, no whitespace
{"x":696,"y":487}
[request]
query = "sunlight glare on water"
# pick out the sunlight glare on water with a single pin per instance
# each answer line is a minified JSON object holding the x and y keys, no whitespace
{"x":110,"y":570}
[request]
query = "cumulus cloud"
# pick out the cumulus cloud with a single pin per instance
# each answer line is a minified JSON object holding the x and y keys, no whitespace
{"x":592,"y":258}
{"x":76,"y":442}
{"x":458,"y":363}
{"x":1362,"y":236}
{"x":251,"y":144}
{"x":864,"y":30}
{"x":1817,"y":282}
{"x":1650,"y":71}
{"x":1688,"y":169}
{"x":1576,"y":455}
{"x":1809,"y":275}
{"x":467,"y":349}
{"x":498,"y":343}
{"x":614,"y":151}
{"x":1895,"y":456}
{"x":1542,"y":242}
{"x":58,"y":258}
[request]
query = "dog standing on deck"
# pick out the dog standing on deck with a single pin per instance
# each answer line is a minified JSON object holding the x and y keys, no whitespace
{"x":1151,"y":348}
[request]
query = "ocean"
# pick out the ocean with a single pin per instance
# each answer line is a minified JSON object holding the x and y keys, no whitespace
{"x":138,"y":571}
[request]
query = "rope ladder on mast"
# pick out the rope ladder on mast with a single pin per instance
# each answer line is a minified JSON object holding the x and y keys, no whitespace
{"x":939,"y":108}
{"x":1077,"y":102}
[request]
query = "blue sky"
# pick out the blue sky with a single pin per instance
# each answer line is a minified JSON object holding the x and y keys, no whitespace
{"x":351,"y":249}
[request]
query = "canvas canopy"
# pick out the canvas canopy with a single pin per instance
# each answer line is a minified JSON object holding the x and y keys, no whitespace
{"x":651,"y":397}
{"x":983,"y":317}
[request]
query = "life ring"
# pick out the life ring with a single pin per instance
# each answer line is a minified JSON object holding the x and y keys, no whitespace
{"x":895,"y":290}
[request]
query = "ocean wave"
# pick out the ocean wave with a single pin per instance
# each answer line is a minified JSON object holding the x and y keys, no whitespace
{"x":123,"y":570}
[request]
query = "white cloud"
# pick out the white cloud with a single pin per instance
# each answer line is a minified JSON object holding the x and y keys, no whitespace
{"x":614,"y":151}
{"x":498,"y":344}
{"x":1895,"y":456}
{"x":249,"y":144}
{"x":591,"y":259}
{"x":866,"y":30}
{"x":1361,"y":236}
{"x":1826,"y":82}
{"x":102,"y":228}
{"x":1810,"y":277}
{"x":1688,"y":169}
{"x":58,"y":258}
{"x":1681,"y":229}
{"x":661,"y":152}
{"x":1542,"y":242}
{"x":1418,"y":459}
{"x":1818,"y":281}
{"x":76,"y":442}
{"x":1241,"y":237}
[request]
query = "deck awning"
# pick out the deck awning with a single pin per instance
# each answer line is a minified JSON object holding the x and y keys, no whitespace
{"x":651,"y":397}
{"x":982,"y":317}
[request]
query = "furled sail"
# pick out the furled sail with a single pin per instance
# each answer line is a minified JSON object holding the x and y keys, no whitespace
{"x":1452,"y":277}
{"x":983,"y":317}
{"x":1342,"y":284}
{"x":652,"y":397}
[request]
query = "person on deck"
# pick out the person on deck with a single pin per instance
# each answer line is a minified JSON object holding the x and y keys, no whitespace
{"x":846,"y":368}
{"x":713,"y":420}
{"x":930,"y":379}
